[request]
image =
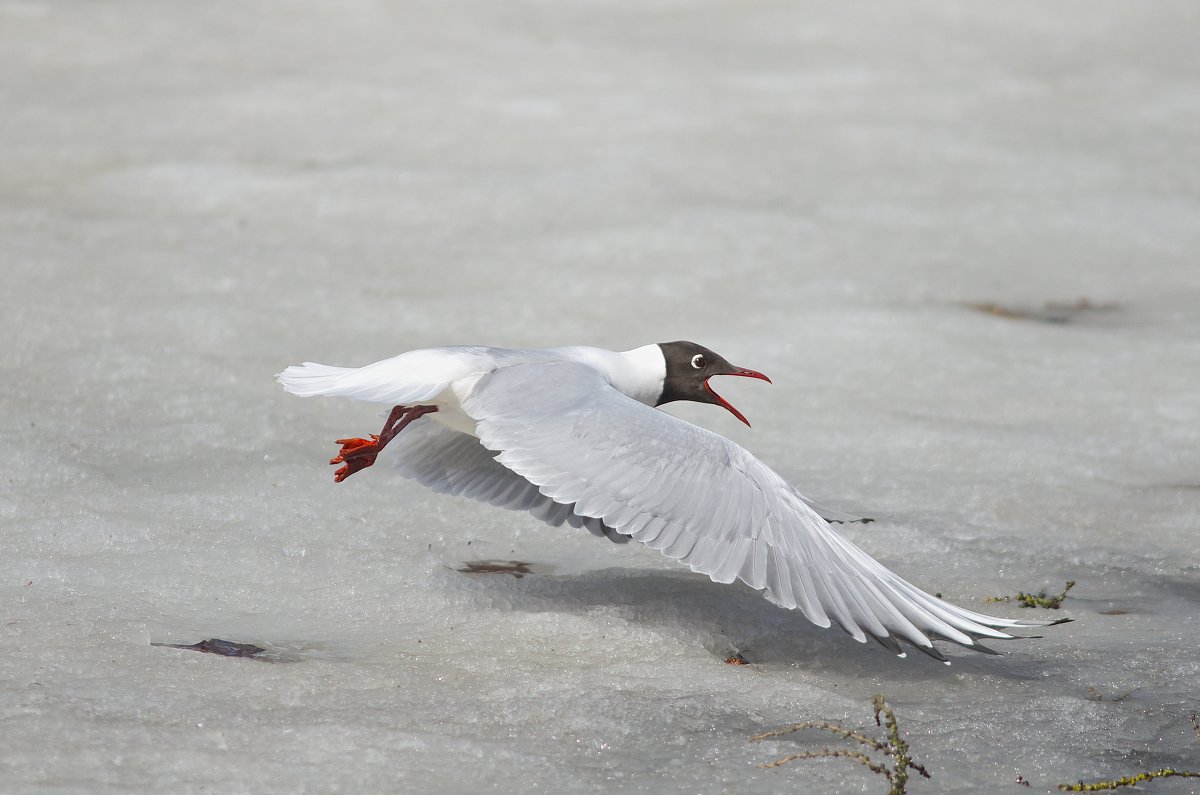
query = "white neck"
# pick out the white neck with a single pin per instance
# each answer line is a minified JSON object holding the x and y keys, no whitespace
{"x":639,"y":373}
{"x":644,"y":373}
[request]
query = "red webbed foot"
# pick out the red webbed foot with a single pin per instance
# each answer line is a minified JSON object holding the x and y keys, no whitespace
{"x":357,"y":454}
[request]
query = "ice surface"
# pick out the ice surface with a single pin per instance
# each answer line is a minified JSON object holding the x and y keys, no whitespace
{"x":193,"y":196}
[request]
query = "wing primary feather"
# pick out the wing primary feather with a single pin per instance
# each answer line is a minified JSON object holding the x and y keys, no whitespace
{"x":840,"y":612}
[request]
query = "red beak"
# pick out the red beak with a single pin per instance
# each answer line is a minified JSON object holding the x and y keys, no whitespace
{"x":742,"y":371}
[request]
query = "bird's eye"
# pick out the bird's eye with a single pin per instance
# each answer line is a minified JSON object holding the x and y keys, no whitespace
{"x":698,"y":361}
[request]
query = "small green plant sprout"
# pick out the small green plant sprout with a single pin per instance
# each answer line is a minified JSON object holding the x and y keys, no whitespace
{"x":895,"y":747}
{"x":1039,"y":599}
{"x":1129,"y":781}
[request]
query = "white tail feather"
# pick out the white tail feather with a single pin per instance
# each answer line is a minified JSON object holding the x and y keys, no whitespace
{"x":310,"y":379}
{"x":389,"y":381}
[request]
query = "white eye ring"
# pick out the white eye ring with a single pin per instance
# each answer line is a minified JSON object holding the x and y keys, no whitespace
{"x":698,"y":361}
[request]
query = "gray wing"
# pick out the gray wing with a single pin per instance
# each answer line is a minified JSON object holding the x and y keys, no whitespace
{"x":702,"y":500}
{"x":450,"y":462}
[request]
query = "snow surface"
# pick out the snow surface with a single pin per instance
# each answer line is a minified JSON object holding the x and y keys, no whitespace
{"x":194,"y":195}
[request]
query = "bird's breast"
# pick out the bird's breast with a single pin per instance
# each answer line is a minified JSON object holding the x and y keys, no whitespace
{"x":449,"y":403}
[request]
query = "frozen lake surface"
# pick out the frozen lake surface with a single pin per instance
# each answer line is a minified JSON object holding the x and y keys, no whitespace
{"x":962,"y":240}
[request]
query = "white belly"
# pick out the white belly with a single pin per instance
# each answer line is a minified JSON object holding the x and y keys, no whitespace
{"x":449,"y":402}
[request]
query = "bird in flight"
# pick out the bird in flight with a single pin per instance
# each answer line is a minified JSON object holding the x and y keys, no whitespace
{"x":573,"y":436}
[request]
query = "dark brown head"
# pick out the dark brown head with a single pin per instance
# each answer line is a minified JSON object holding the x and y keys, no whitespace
{"x":689,"y":366}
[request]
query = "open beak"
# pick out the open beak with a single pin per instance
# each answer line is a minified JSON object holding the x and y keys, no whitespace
{"x":742,"y":371}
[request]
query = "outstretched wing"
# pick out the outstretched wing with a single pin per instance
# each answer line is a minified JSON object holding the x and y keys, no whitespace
{"x":450,"y":462}
{"x":703,"y":500}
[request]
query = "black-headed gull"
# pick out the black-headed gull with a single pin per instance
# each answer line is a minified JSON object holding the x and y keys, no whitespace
{"x":572,"y":436}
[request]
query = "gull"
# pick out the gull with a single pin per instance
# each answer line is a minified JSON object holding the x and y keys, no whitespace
{"x":573,"y":436}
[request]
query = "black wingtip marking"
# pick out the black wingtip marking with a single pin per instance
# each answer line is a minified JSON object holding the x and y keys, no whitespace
{"x":891,"y":643}
{"x":932,"y":652}
{"x":977,"y":646}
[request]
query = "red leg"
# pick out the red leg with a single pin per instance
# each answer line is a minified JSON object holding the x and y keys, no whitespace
{"x":359,"y":454}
